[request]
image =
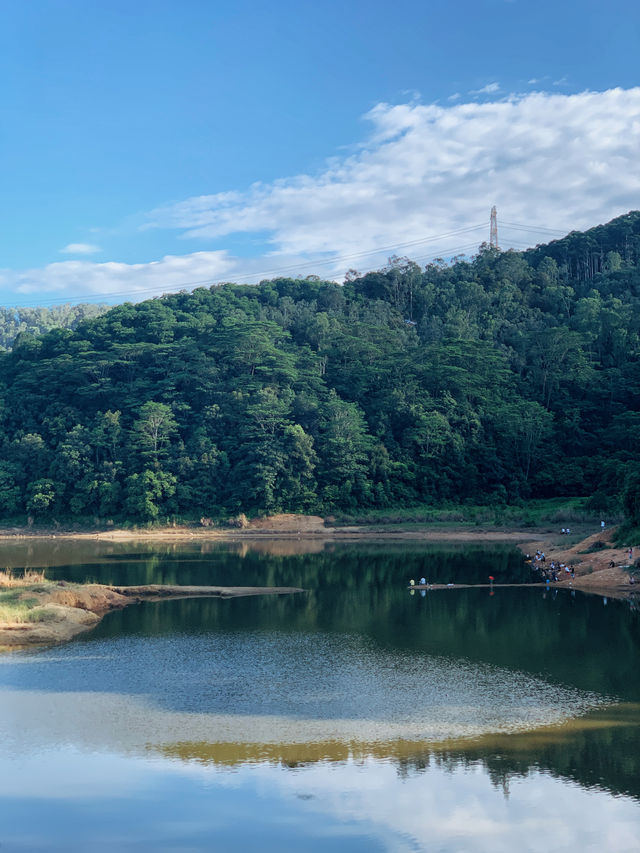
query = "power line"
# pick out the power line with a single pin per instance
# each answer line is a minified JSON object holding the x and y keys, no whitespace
{"x":533,"y":228}
{"x":342,"y":258}
{"x":450,"y":253}
{"x":336,"y":259}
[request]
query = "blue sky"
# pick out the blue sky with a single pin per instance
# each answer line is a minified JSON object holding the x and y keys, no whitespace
{"x":145,"y":146}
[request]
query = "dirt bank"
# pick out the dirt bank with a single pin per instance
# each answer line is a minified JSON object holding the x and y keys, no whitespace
{"x":286,"y":526}
{"x":64,"y":610}
{"x":591,"y":562}
{"x":287,"y":534}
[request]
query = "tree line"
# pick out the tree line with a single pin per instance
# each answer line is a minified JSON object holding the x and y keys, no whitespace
{"x":37,"y":321}
{"x":508,"y":376}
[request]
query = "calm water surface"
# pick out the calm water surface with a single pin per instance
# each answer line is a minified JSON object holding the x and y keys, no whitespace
{"x":355,"y":715}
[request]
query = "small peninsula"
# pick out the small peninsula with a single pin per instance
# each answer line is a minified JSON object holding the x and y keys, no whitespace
{"x":35,"y":611}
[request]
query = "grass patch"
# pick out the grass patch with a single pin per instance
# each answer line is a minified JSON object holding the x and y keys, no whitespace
{"x":15,"y":613}
{"x":9,"y":597}
{"x":40,"y":614}
{"x":626,"y":535}
{"x":598,"y":545}
{"x":17,"y":606}
{"x":560,"y":511}
{"x":23,"y":611}
{"x":9,"y":578}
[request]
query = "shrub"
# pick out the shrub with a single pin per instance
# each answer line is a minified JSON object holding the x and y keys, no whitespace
{"x":239,"y":520}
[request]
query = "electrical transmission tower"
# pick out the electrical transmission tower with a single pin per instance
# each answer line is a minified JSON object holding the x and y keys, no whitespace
{"x":493,"y":231}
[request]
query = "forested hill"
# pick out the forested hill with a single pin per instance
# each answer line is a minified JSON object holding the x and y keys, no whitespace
{"x":38,"y":321}
{"x":509,"y":376}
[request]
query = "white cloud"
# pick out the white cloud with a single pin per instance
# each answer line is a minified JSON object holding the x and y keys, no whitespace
{"x":445,"y":808}
{"x":80,"y":249}
{"x":562,"y":161}
{"x":455,"y":97}
{"x":84,"y":279}
{"x":545,"y":159}
{"x":489,"y":89}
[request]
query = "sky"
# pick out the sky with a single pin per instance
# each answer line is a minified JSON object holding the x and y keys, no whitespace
{"x":159,"y":145}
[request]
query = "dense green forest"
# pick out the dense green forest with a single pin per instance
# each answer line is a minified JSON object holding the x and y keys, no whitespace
{"x":38,"y":321}
{"x":508,"y":376}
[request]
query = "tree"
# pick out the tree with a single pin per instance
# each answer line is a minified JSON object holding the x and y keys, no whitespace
{"x":10,"y":496}
{"x":344,"y":446}
{"x":40,"y":496}
{"x":145,"y":493}
{"x":106,"y":435}
{"x":631,"y":498}
{"x":153,"y":430}
{"x":298,"y":484}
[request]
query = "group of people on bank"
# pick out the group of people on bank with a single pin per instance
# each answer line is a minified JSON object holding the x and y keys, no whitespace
{"x":551,"y":572}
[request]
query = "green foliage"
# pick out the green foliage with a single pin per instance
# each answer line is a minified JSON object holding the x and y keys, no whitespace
{"x":148,"y":492}
{"x":153,"y":430}
{"x":631,"y":498}
{"x":510,"y":377}
{"x":40,"y":496}
{"x":24,"y":323}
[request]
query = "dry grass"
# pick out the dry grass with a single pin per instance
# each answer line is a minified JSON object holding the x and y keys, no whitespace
{"x":16,"y":607}
{"x":27,"y":578}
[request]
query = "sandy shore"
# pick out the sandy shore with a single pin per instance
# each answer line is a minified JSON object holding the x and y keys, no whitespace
{"x":69,"y":609}
{"x":288,"y":532}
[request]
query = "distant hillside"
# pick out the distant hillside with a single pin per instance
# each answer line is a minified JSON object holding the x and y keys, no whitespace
{"x":605,"y":248}
{"x":510,"y":376}
{"x":38,"y":321}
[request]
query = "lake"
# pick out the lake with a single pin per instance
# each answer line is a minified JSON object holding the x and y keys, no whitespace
{"x":358,"y":715}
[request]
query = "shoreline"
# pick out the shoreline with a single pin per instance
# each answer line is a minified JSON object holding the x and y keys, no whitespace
{"x":328,"y":534}
{"x":314,"y":531}
{"x":71,"y":609}
{"x":590,"y":554}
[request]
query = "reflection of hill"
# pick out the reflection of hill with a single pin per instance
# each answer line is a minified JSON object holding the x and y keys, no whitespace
{"x":574,"y":641}
{"x":462,"y":563}
{"x":49,"y":552}
{"x":357,"y":594}
{"x":601,"y":750}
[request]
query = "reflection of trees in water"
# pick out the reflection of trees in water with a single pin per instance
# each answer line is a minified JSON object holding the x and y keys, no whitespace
{"x":573,"y":641}
{"x":361,"y":590}
{"x":255,"y":563}
{"x":600,"y":751}
{"x":605,"y":758}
